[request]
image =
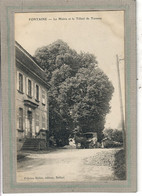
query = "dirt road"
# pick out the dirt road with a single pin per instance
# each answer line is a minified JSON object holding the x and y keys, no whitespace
{"x":67,"y":165}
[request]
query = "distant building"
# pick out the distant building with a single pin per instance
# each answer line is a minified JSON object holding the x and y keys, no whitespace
{"x":31,"y":101}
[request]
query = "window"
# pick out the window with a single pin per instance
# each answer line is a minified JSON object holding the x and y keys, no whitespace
{"x":29,"y":88}
{"x":43,"y":96}
{"x":37,"y":122}
{"x":20,"y":82}
{"x":43,"y":121}
{"x":37,"y":92}
{"x":20,"y":118}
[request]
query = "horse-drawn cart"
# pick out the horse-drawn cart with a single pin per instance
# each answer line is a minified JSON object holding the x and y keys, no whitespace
{"x":86,"y":140}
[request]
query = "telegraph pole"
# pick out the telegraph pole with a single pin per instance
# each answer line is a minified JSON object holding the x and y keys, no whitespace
{"x":121,"y":102}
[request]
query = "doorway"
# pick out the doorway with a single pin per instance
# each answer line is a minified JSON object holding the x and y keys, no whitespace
{"x":30,"y":124}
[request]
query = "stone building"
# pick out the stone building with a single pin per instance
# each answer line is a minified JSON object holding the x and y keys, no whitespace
{"x":31,"y":102}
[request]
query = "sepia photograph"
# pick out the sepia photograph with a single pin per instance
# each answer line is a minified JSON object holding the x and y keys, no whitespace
{"x":70,"y":96}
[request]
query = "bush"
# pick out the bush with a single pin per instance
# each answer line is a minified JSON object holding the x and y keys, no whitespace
{"x":112,"y":144}
{"x":114,"y":135}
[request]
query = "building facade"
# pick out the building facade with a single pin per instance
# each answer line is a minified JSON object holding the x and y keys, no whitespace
{"x":31,"y":98}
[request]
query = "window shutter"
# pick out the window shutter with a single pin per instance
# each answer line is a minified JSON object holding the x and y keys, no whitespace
{"x":17,"y":118}
{"x":43,"y":96}
{"x":43,"y":121}
{"x":24,"y":84}
{"x":27,"y":85}
{"x":39,"y":92}
{"x":17,"y":80}
{"x":32,"y":88}
{"x":35,"y":91}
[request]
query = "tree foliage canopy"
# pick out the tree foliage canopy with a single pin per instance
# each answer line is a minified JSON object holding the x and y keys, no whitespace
{"x":80,"y":92}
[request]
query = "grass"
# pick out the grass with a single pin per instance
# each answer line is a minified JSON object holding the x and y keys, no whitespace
{"x":120,"y":165}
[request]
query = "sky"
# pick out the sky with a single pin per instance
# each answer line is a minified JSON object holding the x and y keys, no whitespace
{"x":98,"y":32}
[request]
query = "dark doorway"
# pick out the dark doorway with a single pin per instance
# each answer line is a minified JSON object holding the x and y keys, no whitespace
{"x":30,"y":123}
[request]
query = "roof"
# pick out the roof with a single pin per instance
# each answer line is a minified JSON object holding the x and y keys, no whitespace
{"x":27,"y":63}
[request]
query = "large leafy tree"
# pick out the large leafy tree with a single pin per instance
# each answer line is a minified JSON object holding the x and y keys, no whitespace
{"x":79,"y":92}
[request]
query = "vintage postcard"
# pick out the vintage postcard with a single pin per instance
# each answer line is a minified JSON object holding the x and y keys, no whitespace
{"x":69,"y":96}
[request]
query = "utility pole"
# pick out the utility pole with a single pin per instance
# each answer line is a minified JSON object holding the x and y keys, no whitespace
{"x":121,"y":102}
